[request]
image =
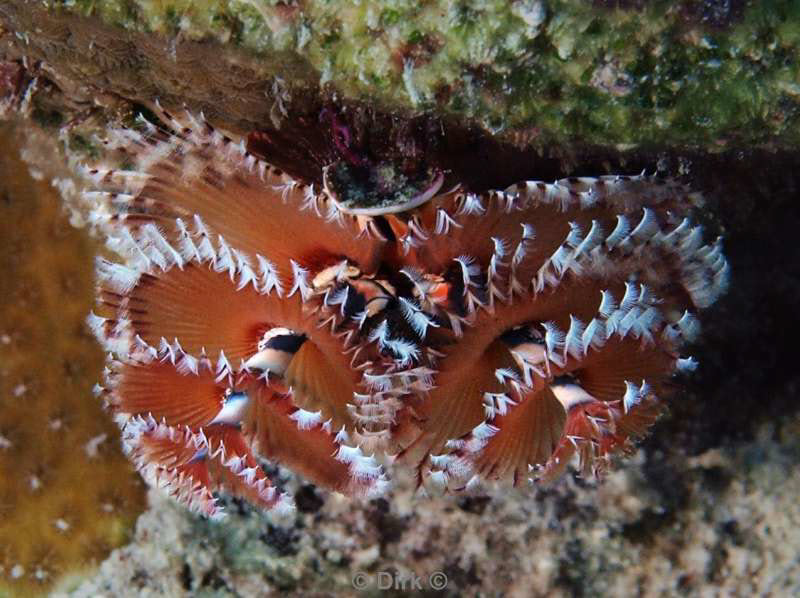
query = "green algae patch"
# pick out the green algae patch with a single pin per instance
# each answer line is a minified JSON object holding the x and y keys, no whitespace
{"x":683,"y":73}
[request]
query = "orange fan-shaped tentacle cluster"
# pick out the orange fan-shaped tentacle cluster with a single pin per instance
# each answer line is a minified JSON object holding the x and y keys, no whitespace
{"x":567,"y":305}
{"x":474,"y":337}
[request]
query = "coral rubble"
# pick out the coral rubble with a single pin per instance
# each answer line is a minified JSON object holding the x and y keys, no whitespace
{"x":477,"y":337}
{"x":67,"y":494}
{"x":723,"y":522}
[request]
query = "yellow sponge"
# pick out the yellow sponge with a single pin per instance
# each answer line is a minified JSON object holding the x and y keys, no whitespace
{"x":67,"y":494}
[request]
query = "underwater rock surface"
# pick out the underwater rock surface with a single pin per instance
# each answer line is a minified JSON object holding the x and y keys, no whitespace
{"x":724,"y":521}
{"x":655,"y":73}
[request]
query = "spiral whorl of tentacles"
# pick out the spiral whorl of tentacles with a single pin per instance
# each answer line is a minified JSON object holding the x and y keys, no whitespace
{"x":474,"y":337}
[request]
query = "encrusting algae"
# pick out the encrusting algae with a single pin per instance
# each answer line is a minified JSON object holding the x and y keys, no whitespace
{"x":469,"y":337}
{"x":67,"y":494}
